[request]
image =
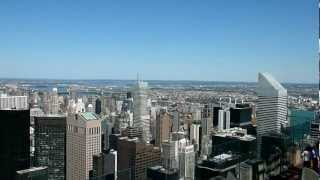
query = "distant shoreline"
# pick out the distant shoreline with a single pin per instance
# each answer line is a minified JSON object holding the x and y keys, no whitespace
{"x":151,"y":81}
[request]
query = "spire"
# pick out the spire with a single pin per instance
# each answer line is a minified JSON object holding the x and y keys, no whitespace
{"x":138,"y":78}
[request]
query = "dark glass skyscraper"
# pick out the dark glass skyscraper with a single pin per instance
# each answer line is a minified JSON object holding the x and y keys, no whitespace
{"x":15,"y":142}
{"x":216,"y":115}
{"x":50,"y":145}
{"x":98,"y":106}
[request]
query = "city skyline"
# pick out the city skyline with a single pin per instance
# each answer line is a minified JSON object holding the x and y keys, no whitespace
{"x":161,"y":40}
{"x":153,"y":90}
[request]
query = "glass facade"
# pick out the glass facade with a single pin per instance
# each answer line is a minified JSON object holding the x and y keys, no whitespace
{"x":50,"y":145}
{"x":15,"y":142}
{"x":300,"y":124}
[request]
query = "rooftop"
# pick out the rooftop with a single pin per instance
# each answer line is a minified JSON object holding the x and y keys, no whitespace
{"x":31,"y":170}
{"x":269,"y":86}
{"x":163,"y":170}
{"x":221,"y":157}
{"x":235,"y":133}
{"x":89,"y":116}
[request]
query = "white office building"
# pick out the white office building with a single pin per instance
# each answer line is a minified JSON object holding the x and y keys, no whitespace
{"x":195,"y":134}
{"x":13,"y":102}
{"x":54,"y":102}
{"x":206,"y":146}
{"x":221,"y":120}
{"x":76,"y":107}
{"x":170,"y":155}
{"x":228,"y":119}
{"x":271,"y":106}
{"x":187,"y":163}
{"x":224,"y":119}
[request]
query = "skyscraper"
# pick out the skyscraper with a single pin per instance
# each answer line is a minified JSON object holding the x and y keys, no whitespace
{"x":315,"y":124}
{"x":91,"y":100}
{"x":15,"y":142}
{"x":105,"y":166}
{"x":271,"y":106}
{"x":227,"y":119}
{"x":170,"y":155}
{"x":221,"y":121}
{"x":315,"y":128}
{"x":215,"y":115}
{"x":50,"y":145}
{"x":163,"y":127}
{"x":187,"y":162}
{"x":141,"y":117}
{"x":13,"y":102}
{"x":224,"y":119}
{"x":195,"y":133}
{"x":241,"y":115}
{"x":54,"y":102}
{"x":206,"y":123}
{"x":136,"y":156}
{"x":84,"y":141}
{"x":98,"y":106}
{"x":175,"y":120}
{"x":319,"y":51}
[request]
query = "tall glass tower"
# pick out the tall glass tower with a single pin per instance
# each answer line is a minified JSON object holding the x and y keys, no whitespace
{"x":15,"y":142}
{"x":315,"y":124}
{"x":141,"y":117}
{"x":50,"y":145}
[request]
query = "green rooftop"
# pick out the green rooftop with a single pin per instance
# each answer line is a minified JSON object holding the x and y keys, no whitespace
{"x":89,"y":116}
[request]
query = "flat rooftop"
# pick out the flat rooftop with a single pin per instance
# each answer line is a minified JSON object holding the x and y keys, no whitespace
{"x":33,"y":169}
{"x":89,"y":116}
{"x":238,"y":133}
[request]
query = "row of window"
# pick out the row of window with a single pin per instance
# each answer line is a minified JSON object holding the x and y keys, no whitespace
{"x":80,"y":130}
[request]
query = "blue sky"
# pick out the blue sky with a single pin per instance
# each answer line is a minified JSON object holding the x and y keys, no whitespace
{"x":218,"y":40}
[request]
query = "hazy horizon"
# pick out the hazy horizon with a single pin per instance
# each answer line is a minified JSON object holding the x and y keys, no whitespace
{"x":183,"y":80}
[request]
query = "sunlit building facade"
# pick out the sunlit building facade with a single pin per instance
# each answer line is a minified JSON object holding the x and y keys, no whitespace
{"x":271,"y":106}
{"x":84,"y":141}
